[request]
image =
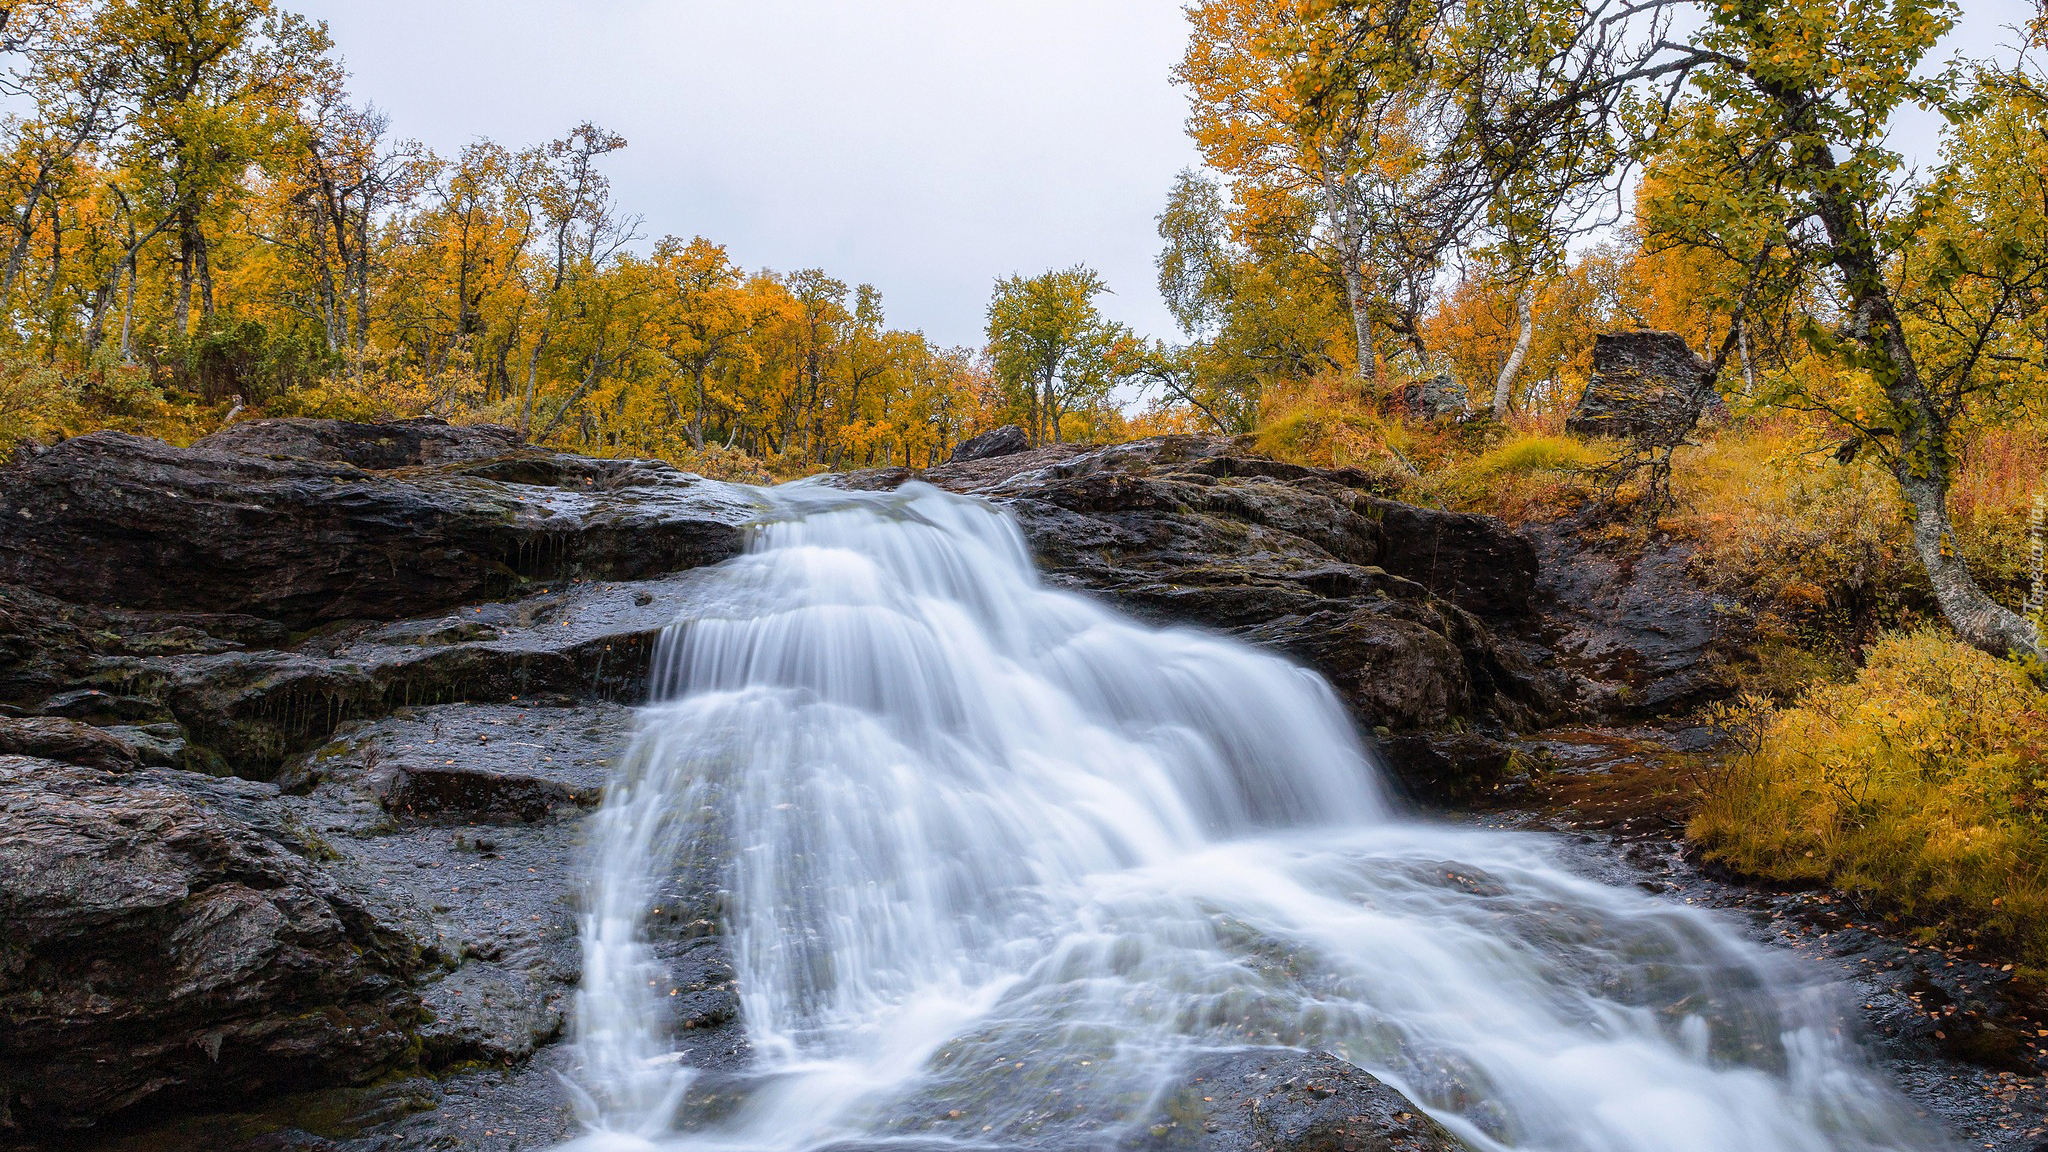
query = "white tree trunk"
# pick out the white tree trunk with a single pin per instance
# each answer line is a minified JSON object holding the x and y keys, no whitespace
{"x":1504,"y":387}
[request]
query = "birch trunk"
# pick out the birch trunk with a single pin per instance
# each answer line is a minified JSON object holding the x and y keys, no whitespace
{"x":1504,"y":387}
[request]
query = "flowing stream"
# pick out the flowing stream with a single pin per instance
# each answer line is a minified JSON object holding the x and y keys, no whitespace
{"x":997,"y":861}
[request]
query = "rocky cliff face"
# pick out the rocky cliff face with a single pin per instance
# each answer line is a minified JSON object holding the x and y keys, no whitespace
{"x":299,"y":727}
{"x":370,"y":522}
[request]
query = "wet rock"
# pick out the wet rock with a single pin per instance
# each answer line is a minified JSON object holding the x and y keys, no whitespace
{"x":1388,"y":601}
{"x":427,"y":791}
{"x":52,"y":652}
{"x":116,"y":520}
{"x":257,"y":709}
{"x":96,"y":707}
{"x":1631,"y":633}
{"x":68,"y":741}
{"x":1282,"y":1100}
{"x":490,"y":883}
{"x":171,"y":938}
{"x":1183,"y":501}
{"x":566,"y":749}
{"x":1005,"y":441}
{"x":1448,"y":767}
{"x":482,"y":1011}
{"x":703,"y":991}
{"x":43,"y":648}
{"x":494,"y":904}
{"x":1394,"y":672}
{"x":1476,"y":562}
{"x":424,"y":440}
{"x":159,"y":745}
{"x":1647,"y":387}
{"x":406,"y":902}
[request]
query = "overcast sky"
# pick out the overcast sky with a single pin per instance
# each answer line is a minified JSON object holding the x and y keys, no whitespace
{"x":924,"y":146}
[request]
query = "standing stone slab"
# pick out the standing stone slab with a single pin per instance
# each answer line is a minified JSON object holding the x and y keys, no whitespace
{"x":1647,"y":387}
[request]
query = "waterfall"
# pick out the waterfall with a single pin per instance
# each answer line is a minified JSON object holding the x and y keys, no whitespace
{"x":996,"y":861}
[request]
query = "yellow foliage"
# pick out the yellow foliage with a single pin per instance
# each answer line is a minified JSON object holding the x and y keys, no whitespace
{"x":1323,"y":424}
{"x":1921,"y":785}
{"x":1527,"y":475}
{"x":36,"y":403}
{"x":1819,"y":551}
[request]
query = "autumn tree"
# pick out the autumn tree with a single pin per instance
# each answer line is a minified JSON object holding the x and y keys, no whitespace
{"x":1251,"y":317}
{"x":1298,"y":175}
{"x":583,"y":233}
{"x":342,"y":177}
{"x":1050,"y":344}
{"x":706,"y":315}
{"x":1782,"y":163}
{"x":64,"y":78}
{"x":213,"y":86}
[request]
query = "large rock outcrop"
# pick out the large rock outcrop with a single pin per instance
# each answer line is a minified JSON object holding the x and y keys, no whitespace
{"x":237,"y":524}
{"x":170,"y":939}
{"x":1630,"y":630}
{"x":1396,"y":605}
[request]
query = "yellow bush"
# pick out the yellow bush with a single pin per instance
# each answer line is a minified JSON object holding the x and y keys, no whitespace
{"x":1521,"y":477}
{"x":1324,"y":423}
{"x":37,"y":402}
{"x":1819,"y":551}
{"x":1920,"y":785}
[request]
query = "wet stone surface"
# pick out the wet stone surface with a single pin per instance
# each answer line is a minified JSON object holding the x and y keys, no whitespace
{"x":486,"y":882}
{"x":1956,"y":1032}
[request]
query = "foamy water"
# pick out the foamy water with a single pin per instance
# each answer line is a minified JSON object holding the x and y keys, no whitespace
{"x":1001,"y":860}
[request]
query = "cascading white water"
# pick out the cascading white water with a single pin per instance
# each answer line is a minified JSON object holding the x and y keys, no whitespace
{"x":999,"y":860}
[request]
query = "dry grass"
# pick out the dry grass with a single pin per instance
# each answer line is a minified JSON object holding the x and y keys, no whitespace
{"x":1521,"y":476}
{"x":1817,"y":552}
{"x":1920,"y":785}
{"x":1324,"y":423}
{"x":2002,"y":470}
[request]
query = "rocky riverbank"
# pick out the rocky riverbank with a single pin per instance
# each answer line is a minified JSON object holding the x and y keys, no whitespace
{"x":299,"y":728}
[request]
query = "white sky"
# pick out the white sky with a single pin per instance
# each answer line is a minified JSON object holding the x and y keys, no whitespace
{"x":924,"y":146}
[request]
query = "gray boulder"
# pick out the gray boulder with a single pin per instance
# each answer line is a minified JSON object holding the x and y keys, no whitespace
{"x":1005,"y":441}
{"x":167,"y":939}
{"x":1440,"y":397}
{"x":1647,"y":387}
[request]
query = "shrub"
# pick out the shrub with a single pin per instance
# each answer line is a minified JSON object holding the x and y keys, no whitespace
{"x":2002,"y":470}
{"x":1820,"y":553}
{"x":1322,"y":424}
{"x":1920,"y":785}
{"x":1521,"y":477}
{"x":37,"y":402}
